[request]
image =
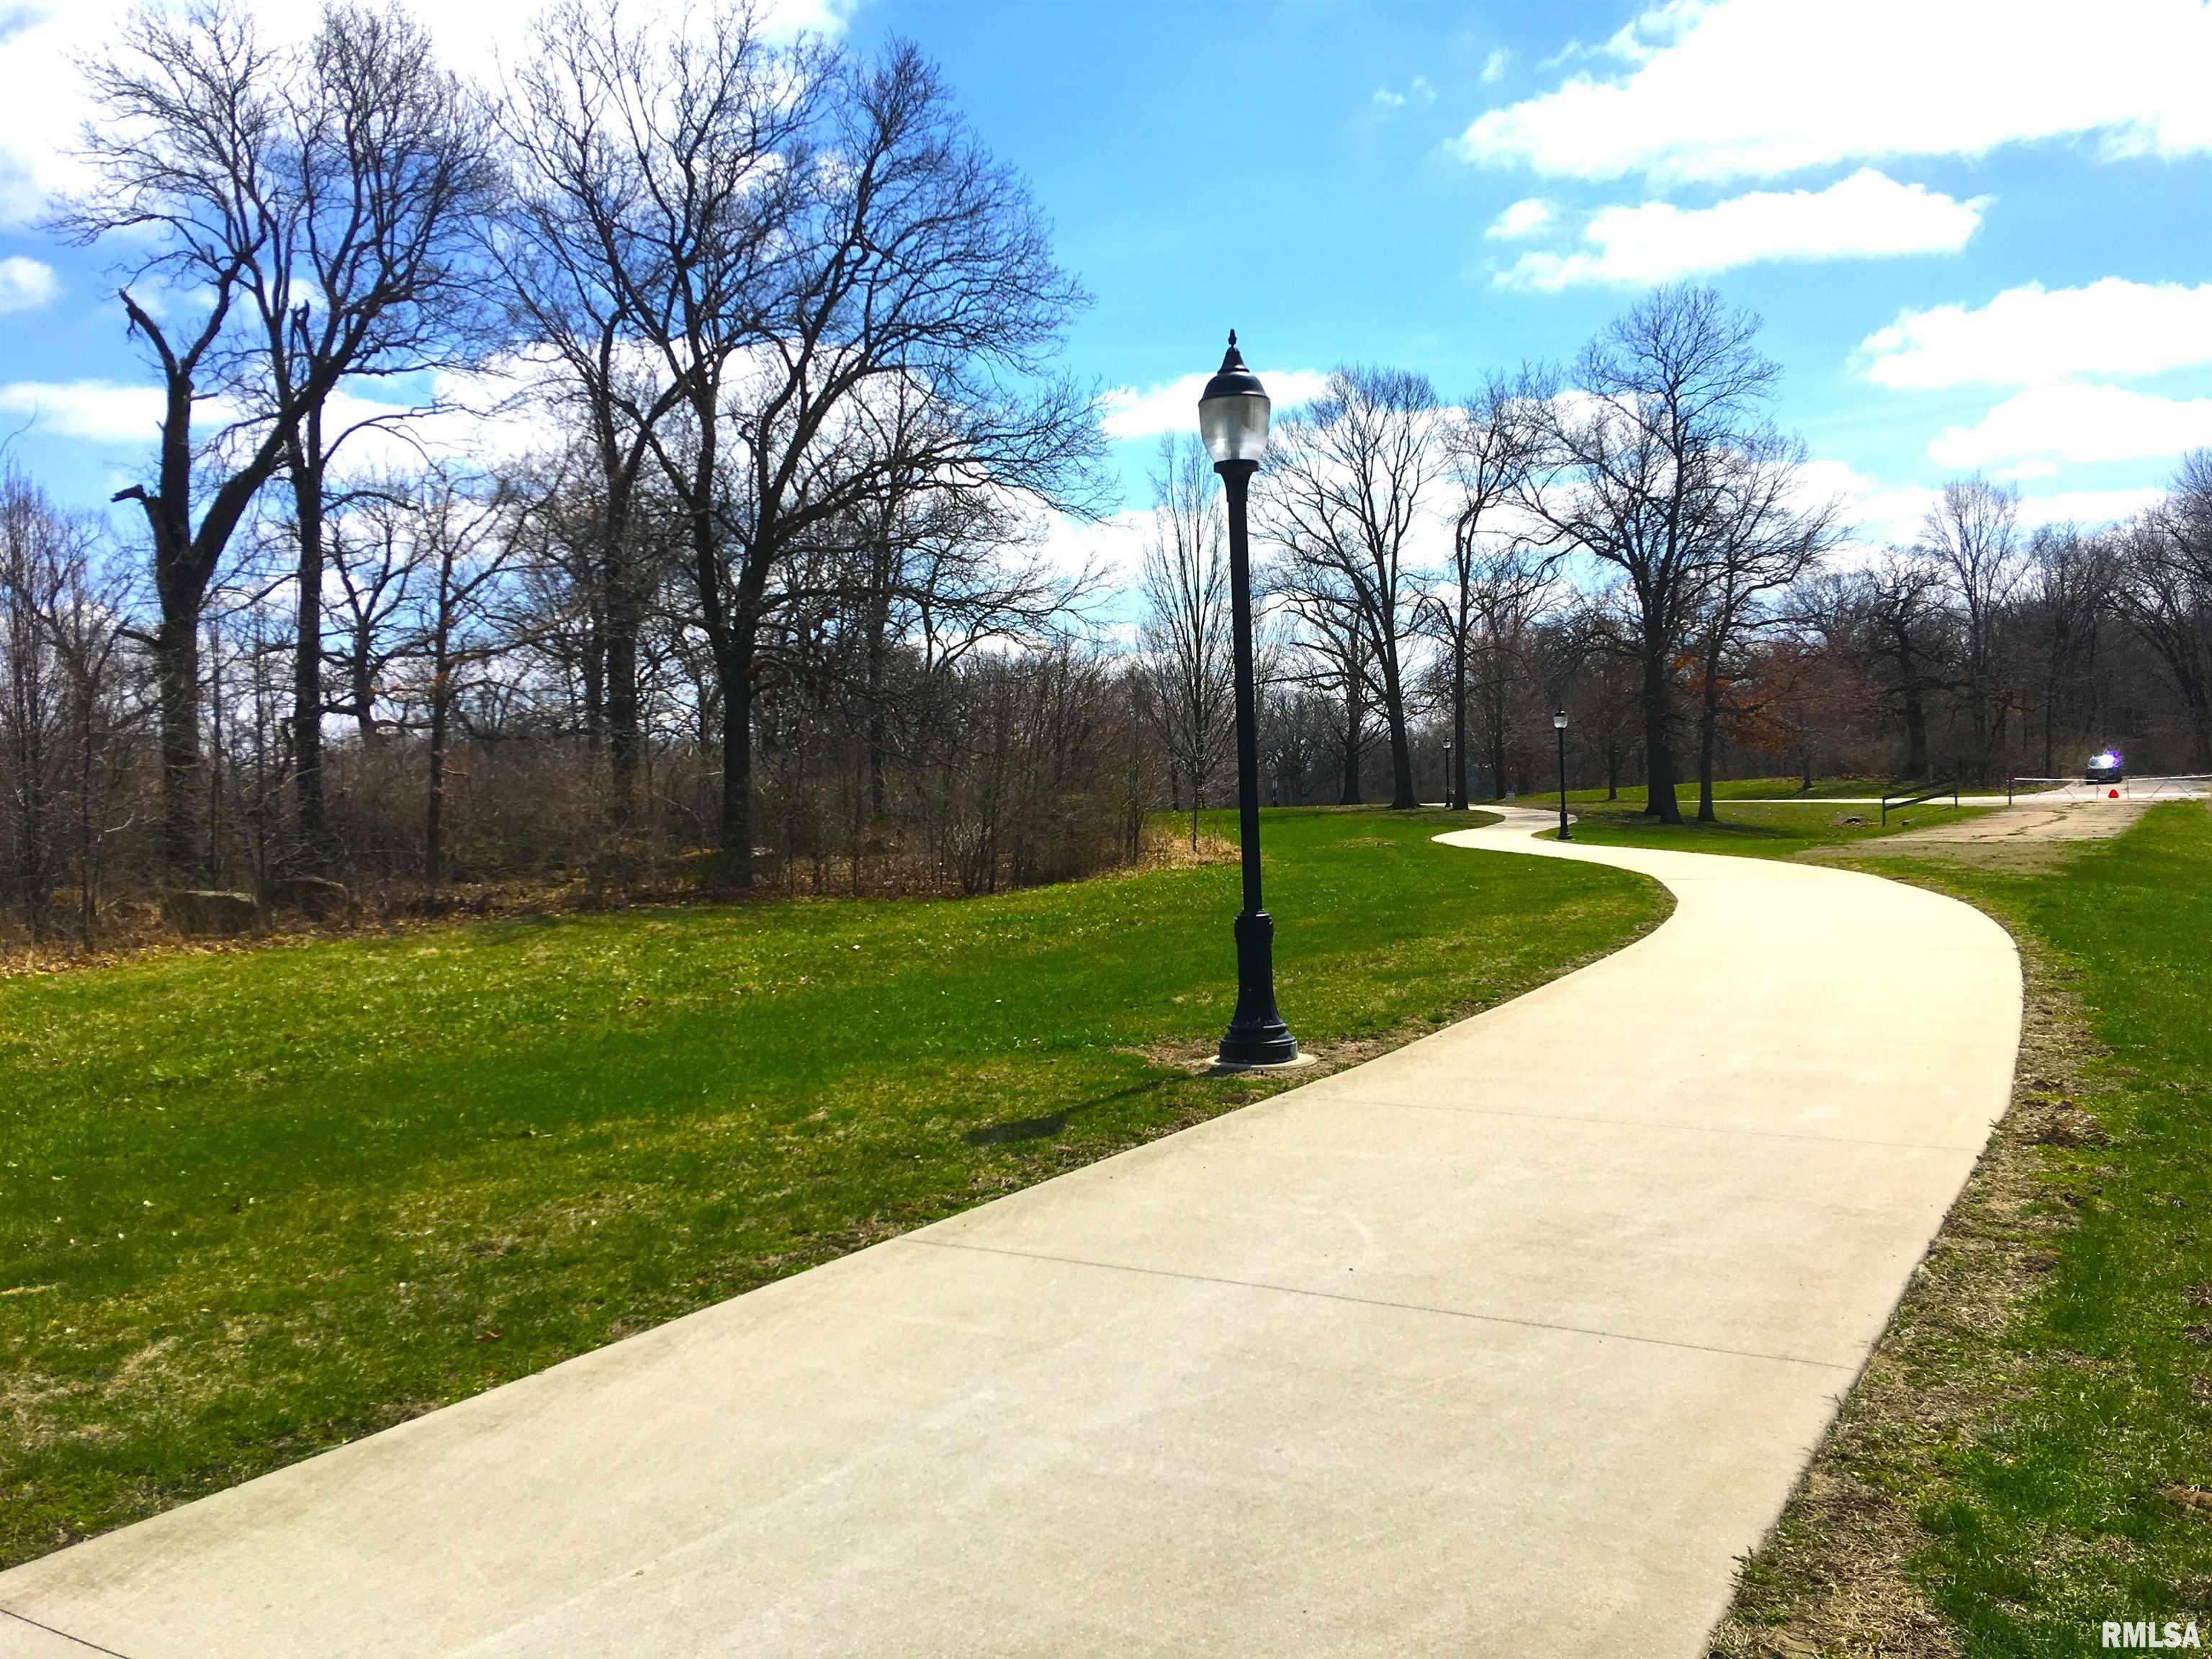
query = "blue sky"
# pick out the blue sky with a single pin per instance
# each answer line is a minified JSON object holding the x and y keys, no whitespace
{"x":1977,"y":232}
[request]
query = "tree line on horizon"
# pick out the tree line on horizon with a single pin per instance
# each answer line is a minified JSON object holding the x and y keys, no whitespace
{"x":762,"y":603}
{"x":1630,"y":538}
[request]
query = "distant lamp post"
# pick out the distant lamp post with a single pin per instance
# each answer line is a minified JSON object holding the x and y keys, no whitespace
{"x":1559,"y":726}
{"x":1451,"y":781}
{"x":1232,"y":418}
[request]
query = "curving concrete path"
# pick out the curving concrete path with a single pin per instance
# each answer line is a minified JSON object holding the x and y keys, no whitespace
{"x":1507,"y":1343}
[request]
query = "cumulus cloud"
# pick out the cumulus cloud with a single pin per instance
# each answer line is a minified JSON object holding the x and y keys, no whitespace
{"x":2029,"y":335}
{"x":1721,"y":89}
{"x":1417,"y":91}
{"x":1880,"y":514}
{"x":94,"y":411}
{"x":42,"y":105}
{"x":1494,"y":66}
{"x":481,"y":416}
{"x":2088,"y":506}
{"x":26,"y":284}
{"x":1133,"y":412}
{"x":1866,"y":216}
{"x":1526,"y":217}
{"x":1891,"y":515}
{"x":2069,"y":421}
{"x":1111,"y":549}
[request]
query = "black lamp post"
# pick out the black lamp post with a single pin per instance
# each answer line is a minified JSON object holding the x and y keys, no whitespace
{"x":1451,"y":783}
{"x":1559,"y":726}
{"x":1232,"y":417}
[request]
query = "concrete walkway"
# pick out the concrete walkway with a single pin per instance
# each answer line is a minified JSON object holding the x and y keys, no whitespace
{"x":1508,"y":1343}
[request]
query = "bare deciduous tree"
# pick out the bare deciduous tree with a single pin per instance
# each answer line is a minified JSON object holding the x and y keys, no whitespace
{"x":2164,"y":588}
{"x":1343,"y":497}
{"x":1186,"y":639}
{"x":1494,"y":579}
{"x":912,"y":264}
{"x":654,"y":197}
{"x":1761,"y":537}
{"x":1629,"y":462}
{"x":1971,"y":536}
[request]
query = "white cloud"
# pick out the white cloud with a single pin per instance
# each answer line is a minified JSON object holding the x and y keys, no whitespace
{"x":1525,"y":218}
{"x":1147,"y":413}
{"x":481,"y":420}
{"x":2088,"y":506}
{"x":2029,"y":335}
{"x":26,"y":284}
{"x":1868,"y":215}
{"x":1882,"y":514}
{"x":1417,"y":91}
{"x":42,"y":105}
{"x":1494,"y":66}
{"x":1719,"y":89}
{"x":94,"y":411}
{"x":2069,"y":421}
{"x":1112,"y":549}
{"x":1891,"y":515}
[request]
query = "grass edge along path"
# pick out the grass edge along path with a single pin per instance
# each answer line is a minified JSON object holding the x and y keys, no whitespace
{"x":1770,"y":830}
{"x":2027,"y":1453}
{"x":254,"y":1206}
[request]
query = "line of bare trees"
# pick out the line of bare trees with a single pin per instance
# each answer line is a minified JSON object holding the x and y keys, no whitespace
{"x":1631,"y":538}
{"x":635,"y":471}
{"x":647,"y":452}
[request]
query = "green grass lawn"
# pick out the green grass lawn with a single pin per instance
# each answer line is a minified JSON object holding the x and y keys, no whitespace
{"x":2042,"y":1407}
{"x":254,"y":1205}
{"x":1776,"y":830}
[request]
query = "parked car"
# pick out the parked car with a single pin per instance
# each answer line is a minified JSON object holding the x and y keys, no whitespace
{"x":2107,"y":767}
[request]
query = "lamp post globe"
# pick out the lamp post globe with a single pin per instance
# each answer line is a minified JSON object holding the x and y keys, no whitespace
{"x":1232,"y":419}
{"x":1559,"y":726}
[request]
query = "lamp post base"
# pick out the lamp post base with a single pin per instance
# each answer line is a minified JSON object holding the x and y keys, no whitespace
{"x":1256,"y":1036}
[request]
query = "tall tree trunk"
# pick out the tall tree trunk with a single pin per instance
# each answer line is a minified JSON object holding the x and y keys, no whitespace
{"x":1709,"y":723}
{"x":737,"y":816}
{"x":433,"y":811}
{"x":1659,"y":800}
{"x":624,"y":614}
{"x":878,"y":656}
{"x":1403,"y":795}
{"x":1455,"y":785}
{"x":595,"y":685}
{"x":1353,"y":711}
{"x":363,"y":687}
{"x":212,"y":645}
{"x":304,"y":457}
{"x":177,"y":667}
{"x":1494,"y":698}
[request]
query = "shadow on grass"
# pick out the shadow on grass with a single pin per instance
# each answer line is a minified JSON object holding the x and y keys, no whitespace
{"x":1016,"y":1130}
